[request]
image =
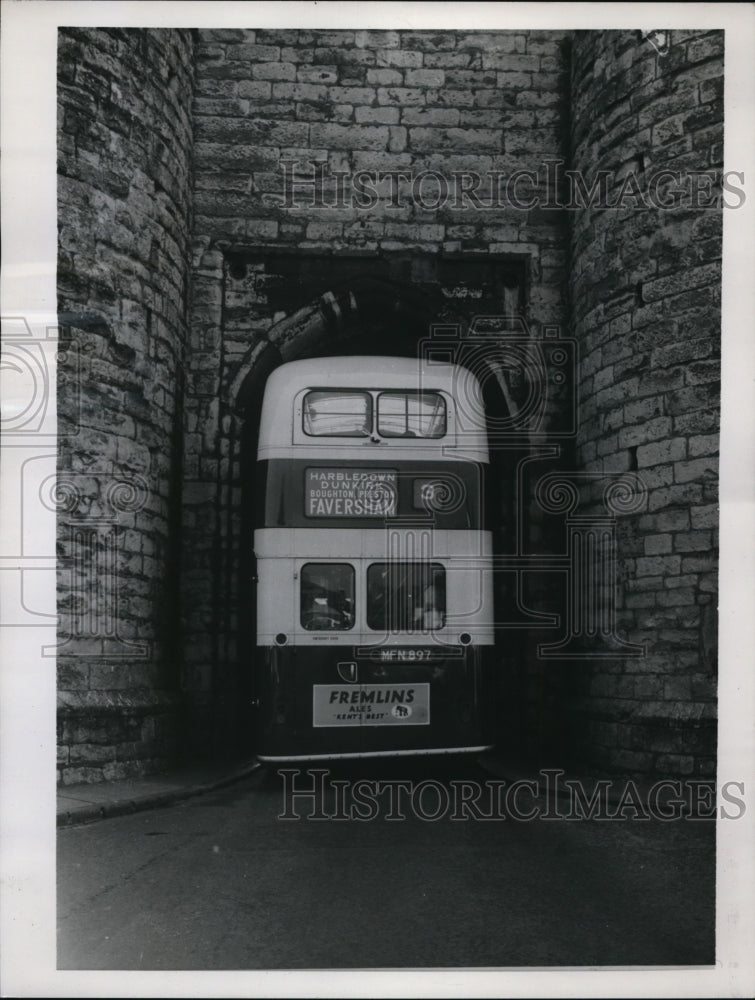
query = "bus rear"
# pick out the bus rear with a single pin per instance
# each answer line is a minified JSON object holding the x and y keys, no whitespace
{"x":374,"y":593}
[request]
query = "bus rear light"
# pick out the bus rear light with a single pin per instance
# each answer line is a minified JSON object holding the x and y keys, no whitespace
{"x":465,"y":638}
{"x":281,"y":638}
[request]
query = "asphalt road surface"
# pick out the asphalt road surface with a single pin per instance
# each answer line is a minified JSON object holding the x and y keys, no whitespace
{"x":221,"y":882}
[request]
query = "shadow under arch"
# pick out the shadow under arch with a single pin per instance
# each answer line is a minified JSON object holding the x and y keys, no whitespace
{"x":366,"y":315}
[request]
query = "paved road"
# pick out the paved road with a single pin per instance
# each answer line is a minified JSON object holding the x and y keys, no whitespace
{"x":220,"y":882}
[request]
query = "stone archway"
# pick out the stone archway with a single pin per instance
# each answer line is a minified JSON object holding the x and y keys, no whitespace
{"x":339,"y":321}
{"x":260,"y":311}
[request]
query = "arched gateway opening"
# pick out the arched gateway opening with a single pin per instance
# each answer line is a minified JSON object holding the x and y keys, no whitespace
{"x":363,"y":313}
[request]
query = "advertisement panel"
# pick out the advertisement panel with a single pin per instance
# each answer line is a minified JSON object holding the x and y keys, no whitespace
{"x":371,"y":705}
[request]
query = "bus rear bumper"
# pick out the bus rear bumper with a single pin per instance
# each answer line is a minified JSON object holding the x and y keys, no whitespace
{"x":436,"y":751}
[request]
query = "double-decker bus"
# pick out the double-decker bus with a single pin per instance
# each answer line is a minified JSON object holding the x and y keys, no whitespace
{"x":374,"y":567}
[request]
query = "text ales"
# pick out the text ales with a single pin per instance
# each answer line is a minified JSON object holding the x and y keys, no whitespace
{"x":371,"y":705}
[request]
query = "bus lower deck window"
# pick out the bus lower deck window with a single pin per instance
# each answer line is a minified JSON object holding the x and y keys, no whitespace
{"x":406,"y":597}
{"x":327,"y":596}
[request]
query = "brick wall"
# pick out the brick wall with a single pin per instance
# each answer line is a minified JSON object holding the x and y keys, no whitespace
{"x":433,"y":102}
{"x":124,"y":146}
{"x":646,"y":301}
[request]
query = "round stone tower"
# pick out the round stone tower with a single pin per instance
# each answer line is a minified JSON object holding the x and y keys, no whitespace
{"x":125,"y":139}
{"x":646,"y":209}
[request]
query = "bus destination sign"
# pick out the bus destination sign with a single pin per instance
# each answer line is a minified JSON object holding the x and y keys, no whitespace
{"x":350,"y":492}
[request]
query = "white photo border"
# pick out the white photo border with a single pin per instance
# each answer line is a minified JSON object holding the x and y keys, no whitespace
{"x":27,"y":681}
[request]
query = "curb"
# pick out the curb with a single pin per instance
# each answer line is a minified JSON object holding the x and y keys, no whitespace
{"x":91,"y":812}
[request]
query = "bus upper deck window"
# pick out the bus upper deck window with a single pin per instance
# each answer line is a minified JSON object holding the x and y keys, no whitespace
{"x":327,"y":596}
{"x":333,"y":413}
{"x":411,"y":414}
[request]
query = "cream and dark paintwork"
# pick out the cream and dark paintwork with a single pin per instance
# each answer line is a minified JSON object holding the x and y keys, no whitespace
{"x":281,"y":421}
{"x":295,"y":666}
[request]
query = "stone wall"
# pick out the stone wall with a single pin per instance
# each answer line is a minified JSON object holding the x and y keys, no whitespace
{"x":323,"y":106}
{"x":220,"y":212}
{"x":124,"y":145}
{"x":645,"y":282}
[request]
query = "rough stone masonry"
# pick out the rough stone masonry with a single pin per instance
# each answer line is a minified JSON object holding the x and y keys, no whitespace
{"x":178,"y":245}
